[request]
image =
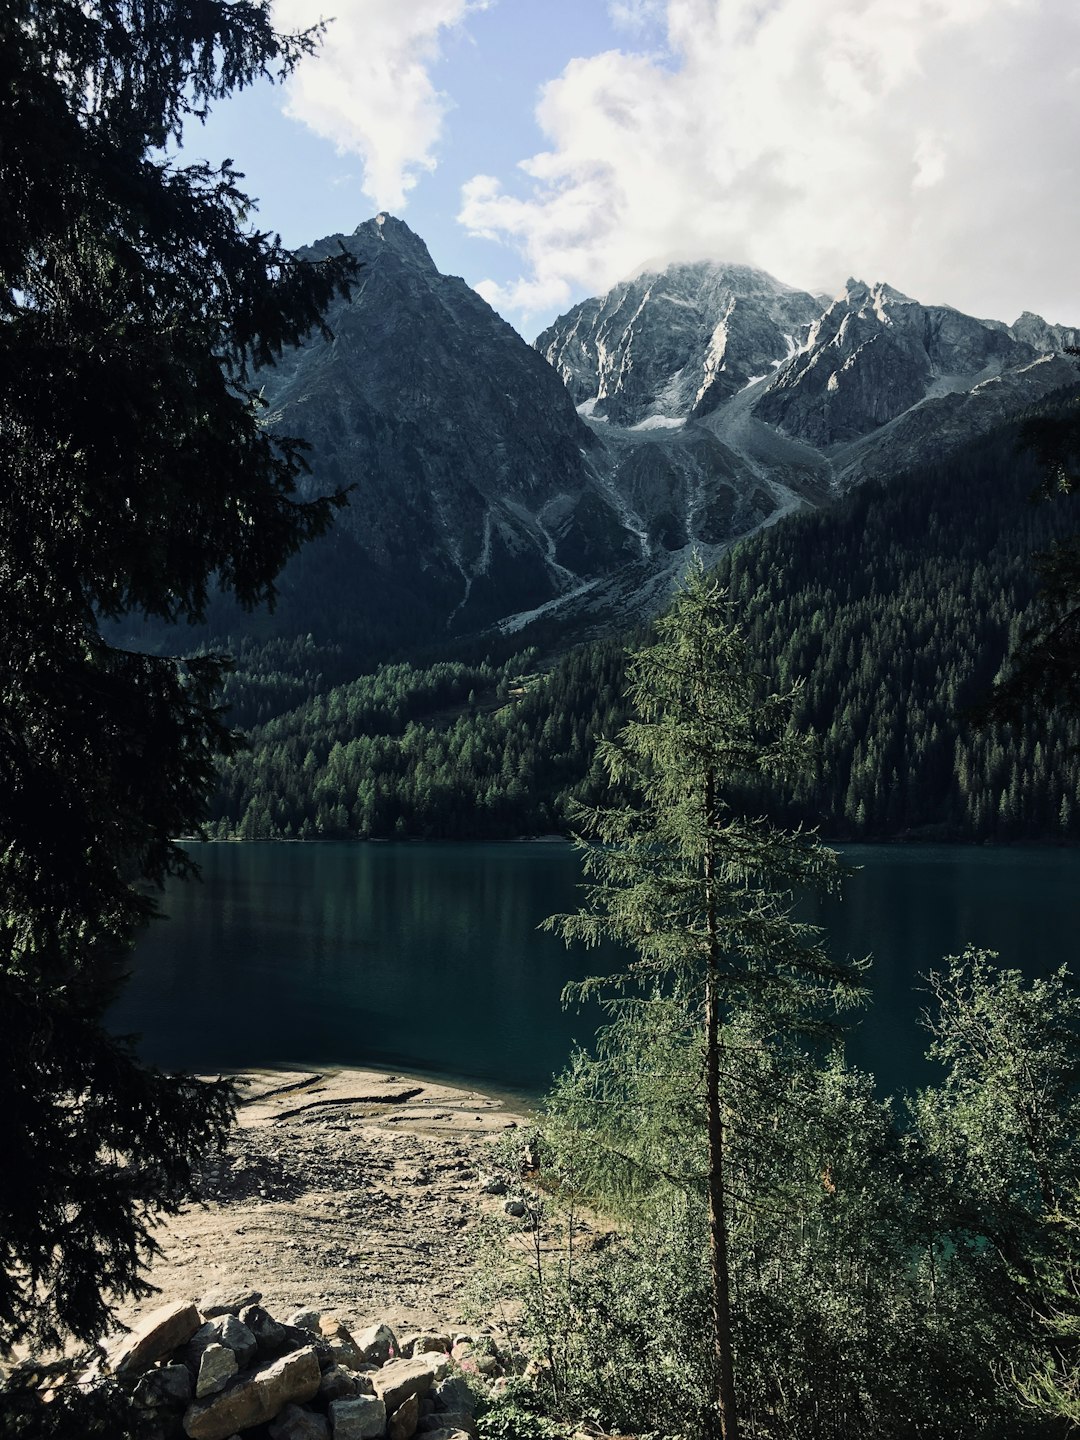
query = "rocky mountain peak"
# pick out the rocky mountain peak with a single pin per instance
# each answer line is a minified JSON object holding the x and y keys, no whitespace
{"x":382,"y":235}
{"x":876,"y":353}
{"x":387,"y":230}
{"x":672,"y":344}
{"x":835,"y":386}
{"x":1050,"y":339}
{"x":687,"y":406}
{"x":472,"y":479}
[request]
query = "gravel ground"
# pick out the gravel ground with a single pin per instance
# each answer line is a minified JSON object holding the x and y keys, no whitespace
{"x":354,"y":1192}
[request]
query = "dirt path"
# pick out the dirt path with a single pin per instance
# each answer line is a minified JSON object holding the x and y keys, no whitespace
{"x":354,"y":1192}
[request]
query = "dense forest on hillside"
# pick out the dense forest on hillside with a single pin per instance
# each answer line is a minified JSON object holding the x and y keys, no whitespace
{"x":454,"y":750}
{"x":897,"y":609}
{"x":894,"y":608}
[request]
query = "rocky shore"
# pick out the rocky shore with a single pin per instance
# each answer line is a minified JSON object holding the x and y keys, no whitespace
{"x":354,"y":1191}
{"x":226,"y":1368}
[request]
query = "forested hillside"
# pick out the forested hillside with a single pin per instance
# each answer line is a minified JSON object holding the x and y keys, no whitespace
{"x":895,"y":609}
{"x":454,"y":750}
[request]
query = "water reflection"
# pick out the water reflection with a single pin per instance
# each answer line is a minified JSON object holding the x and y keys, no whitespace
{"x":424,"y":957}
{"x":427,"y":957}
{"x":911,"y":906}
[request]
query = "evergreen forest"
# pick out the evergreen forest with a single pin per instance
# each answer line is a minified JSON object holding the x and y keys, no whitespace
{"x":893,"y":609}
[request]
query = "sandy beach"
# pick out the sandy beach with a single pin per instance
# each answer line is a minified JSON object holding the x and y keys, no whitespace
{"x":352,"y":1191}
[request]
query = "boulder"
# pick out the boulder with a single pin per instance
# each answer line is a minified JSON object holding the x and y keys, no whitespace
{"x":460,"y":1420}
{"x":306,"y":1320}
{"x":340,"y":1384}
{"x":163,"y":1331}
{"x":362,"y":1418}
{"x":256,"y":1398}
{"x":454,"y":1393}
{"x":271,"y":1338}
{"x":237,"y":1337}
{"x":395,"y":1382}
{"x":343,"y":1347}
{"x":295,"y":1423}
{"x":515,"y":1207}
{"x":378,"y":1343}
{"x":430,"y":1343}
{"x":169,"y":1387}
{"x":404,"y":1421}
{"x":223,"y":1301}
{"x":217,"y":1365}
{"x":205,"y":1335}
{"x":227,"y":1330}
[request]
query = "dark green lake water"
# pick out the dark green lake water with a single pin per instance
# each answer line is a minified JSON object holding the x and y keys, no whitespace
{"x":427,"y":958}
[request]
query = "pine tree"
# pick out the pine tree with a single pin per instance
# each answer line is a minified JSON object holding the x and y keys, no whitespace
{"x":700,"y":891}
{"x":135,"y":301}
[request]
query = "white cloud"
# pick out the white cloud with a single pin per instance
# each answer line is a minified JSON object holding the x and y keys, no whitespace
{"x":933,"y":143}
{"x":369,"y":87}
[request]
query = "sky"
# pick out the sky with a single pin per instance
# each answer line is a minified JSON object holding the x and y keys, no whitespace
{"x":545,"y":149}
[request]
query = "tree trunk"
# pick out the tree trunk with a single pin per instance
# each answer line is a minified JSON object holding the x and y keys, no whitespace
{"x":718,"y":1241}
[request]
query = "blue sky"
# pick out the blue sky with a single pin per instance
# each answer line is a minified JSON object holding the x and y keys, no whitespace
{"x":546,"y":148}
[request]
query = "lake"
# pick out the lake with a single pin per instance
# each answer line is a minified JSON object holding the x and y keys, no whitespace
{"x":427,"y":959}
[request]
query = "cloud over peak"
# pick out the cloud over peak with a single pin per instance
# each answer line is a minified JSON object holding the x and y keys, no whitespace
{"x":369,"y":87}
{"x":935,"y":143}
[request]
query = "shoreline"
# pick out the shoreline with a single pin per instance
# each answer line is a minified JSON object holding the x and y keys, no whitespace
{"x":521,"y":1103}
{"x":914,"y":842}
{"x":359,"y":1191}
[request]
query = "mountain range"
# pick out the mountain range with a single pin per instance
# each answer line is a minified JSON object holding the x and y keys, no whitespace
{"x":495,"y":481}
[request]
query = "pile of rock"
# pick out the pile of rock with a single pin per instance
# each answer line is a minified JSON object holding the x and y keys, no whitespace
{"x":226,"y":1368}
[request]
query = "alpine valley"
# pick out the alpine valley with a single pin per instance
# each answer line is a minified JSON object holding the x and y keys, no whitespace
{"x":503,"y":496}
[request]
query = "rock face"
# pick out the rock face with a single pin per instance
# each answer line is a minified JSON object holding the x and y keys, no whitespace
{"x":169,"y":1386}
{"x":672,"y":345}
{"x":377,"y":1344}
{"x":227,"y":1302}
{"x":359,"y":1419}
{"x":255,"y":1398}
{"x":876,"y":354}
{"x":479,"y":491}
{"x":405,"y":1419}
{"x":1047,"y":339}
{"x":397,"y":1381}
{"x":471,"y":466}
{"x":343,"y":1347}
{"x":217,"y":1366}
{"x":800,"y":392}
{"x":295,"y":1423}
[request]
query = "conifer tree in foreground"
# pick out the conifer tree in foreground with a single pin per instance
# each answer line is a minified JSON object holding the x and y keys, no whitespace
{"x":135,"y":473}
{"x":702,"y":893}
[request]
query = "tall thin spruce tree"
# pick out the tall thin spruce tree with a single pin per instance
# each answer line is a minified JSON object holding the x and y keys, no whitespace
{"x":701,"y":891}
